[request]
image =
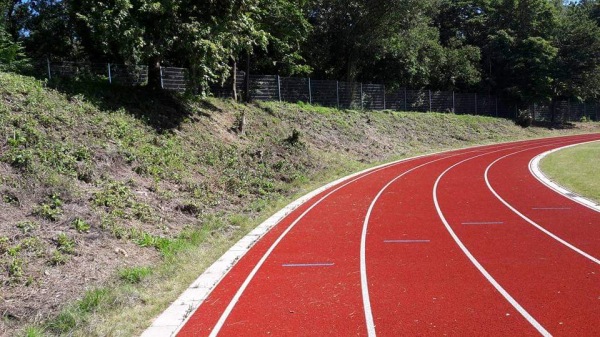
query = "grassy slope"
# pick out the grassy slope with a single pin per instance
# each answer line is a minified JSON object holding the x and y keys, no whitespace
{"x":576,"y":168}
{"x":114,"y":199}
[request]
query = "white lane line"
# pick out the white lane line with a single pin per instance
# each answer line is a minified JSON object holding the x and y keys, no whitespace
{"x":476,"y":263}
{"x":544,"y":230}
{"x":534,"y":168}
{"x":406,"y":241}
{"x":219,"y":325}
{"x":363,"y":248}
{"x":483,"y":223}
{"x":324,"y":264}
{"x":550,"y":208}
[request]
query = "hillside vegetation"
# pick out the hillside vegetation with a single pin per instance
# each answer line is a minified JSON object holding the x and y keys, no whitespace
{"x":112,"y":200}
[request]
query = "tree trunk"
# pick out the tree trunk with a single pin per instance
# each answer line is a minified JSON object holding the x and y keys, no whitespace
{"x":248,"y":95}
{"x":154,"y":80}
{"x":234,"y":79}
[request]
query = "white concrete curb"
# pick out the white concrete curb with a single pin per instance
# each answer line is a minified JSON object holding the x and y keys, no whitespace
{"x":534,"y":168}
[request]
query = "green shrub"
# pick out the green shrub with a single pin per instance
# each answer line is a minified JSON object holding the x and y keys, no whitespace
{"x":80,"y":225}
{"x":65,"y":244}
{"x":524,"y":119}
{"x":50,"y":210}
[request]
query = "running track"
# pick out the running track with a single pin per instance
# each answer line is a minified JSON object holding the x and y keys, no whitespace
{"x":466,"y":242}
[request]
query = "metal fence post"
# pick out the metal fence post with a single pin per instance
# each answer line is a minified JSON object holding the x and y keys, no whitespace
{"x":309,"y":92}
{"x":361,"y":97}
{"x":279,"y":87}
{"x":383,"y":96}
{"x":496,"y":106}
{"x":429,"y":100}
{"x":337,"y":93}
{"x":49,"y":71}
{"x":453,"y":103}
{"x":475,"y":103}
{"x":162,"y":85}
{"x":109,"y":75}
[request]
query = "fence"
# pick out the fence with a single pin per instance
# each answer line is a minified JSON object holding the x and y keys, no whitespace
{"x":345,"y":95}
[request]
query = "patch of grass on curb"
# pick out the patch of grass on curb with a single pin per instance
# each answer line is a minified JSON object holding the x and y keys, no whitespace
{"x":575,"y":168}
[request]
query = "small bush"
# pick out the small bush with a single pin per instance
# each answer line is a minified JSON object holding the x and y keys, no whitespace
{"x":65,"y":244}
{"x":27,"y":226}
{"x":15,"y":268}
{"x":524,"y":119}
{"x":80,"y":225}
{"x":50,"y":210}
{"x":57,"y":258}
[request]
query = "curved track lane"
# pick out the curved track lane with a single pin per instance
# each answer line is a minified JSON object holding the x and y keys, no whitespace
{"x":426,"y":246}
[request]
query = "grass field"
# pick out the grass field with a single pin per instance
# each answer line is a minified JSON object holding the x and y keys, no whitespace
{"x":576,"y":168}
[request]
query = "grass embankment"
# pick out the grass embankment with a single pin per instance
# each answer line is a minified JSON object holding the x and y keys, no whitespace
{"x":576,"y":168}
{"x":113,"y":200}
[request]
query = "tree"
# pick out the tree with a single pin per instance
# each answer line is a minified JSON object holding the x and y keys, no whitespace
{"x":577,"y":71}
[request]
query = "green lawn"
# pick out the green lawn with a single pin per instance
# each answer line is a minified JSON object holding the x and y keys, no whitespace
{"x":576,"y":168}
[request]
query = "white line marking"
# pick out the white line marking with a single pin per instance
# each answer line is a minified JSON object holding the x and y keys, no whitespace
{"x":550,"y":208}
{"x":217,"y":328}
{"x":483,"y":223}
{"x":534,"y":168}
{"x":406,"y":241}
{"x":363,"y":248}
{"x":544,"y":230}
{"x":476,"y":263}
{"x":325,"y":264}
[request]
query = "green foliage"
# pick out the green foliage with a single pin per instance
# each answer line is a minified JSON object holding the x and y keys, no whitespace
{"x":65,"y":244}
{"x":80,"y":225}
{"x":27,"y":226}
{"x":91,"y":300}
{"x":12,"y":54}
{"x":57,"y":258}
{"x":63,"y":323}
{"x":15,"y":268}
{"x":33,"y":331}
{"x":524,"y":118}
{"x":51,"y":209}
{"x":134,"y":275}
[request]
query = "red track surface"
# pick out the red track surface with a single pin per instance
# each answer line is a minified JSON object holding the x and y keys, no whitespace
{"x":416,"y":277}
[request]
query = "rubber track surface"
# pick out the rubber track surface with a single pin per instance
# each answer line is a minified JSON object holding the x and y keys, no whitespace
{"x":418,"y":221}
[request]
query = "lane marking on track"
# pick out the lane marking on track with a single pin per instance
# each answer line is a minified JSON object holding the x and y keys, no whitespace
{"x":483,"y":223}
{"x":219,"y":325}
{"x":363,"y":246}
{"x":550,"y":208}
{"x":474,"y":261}
{"x":321,"y":264}
{"x":536,"y":225}
{"x":406,"y":241}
